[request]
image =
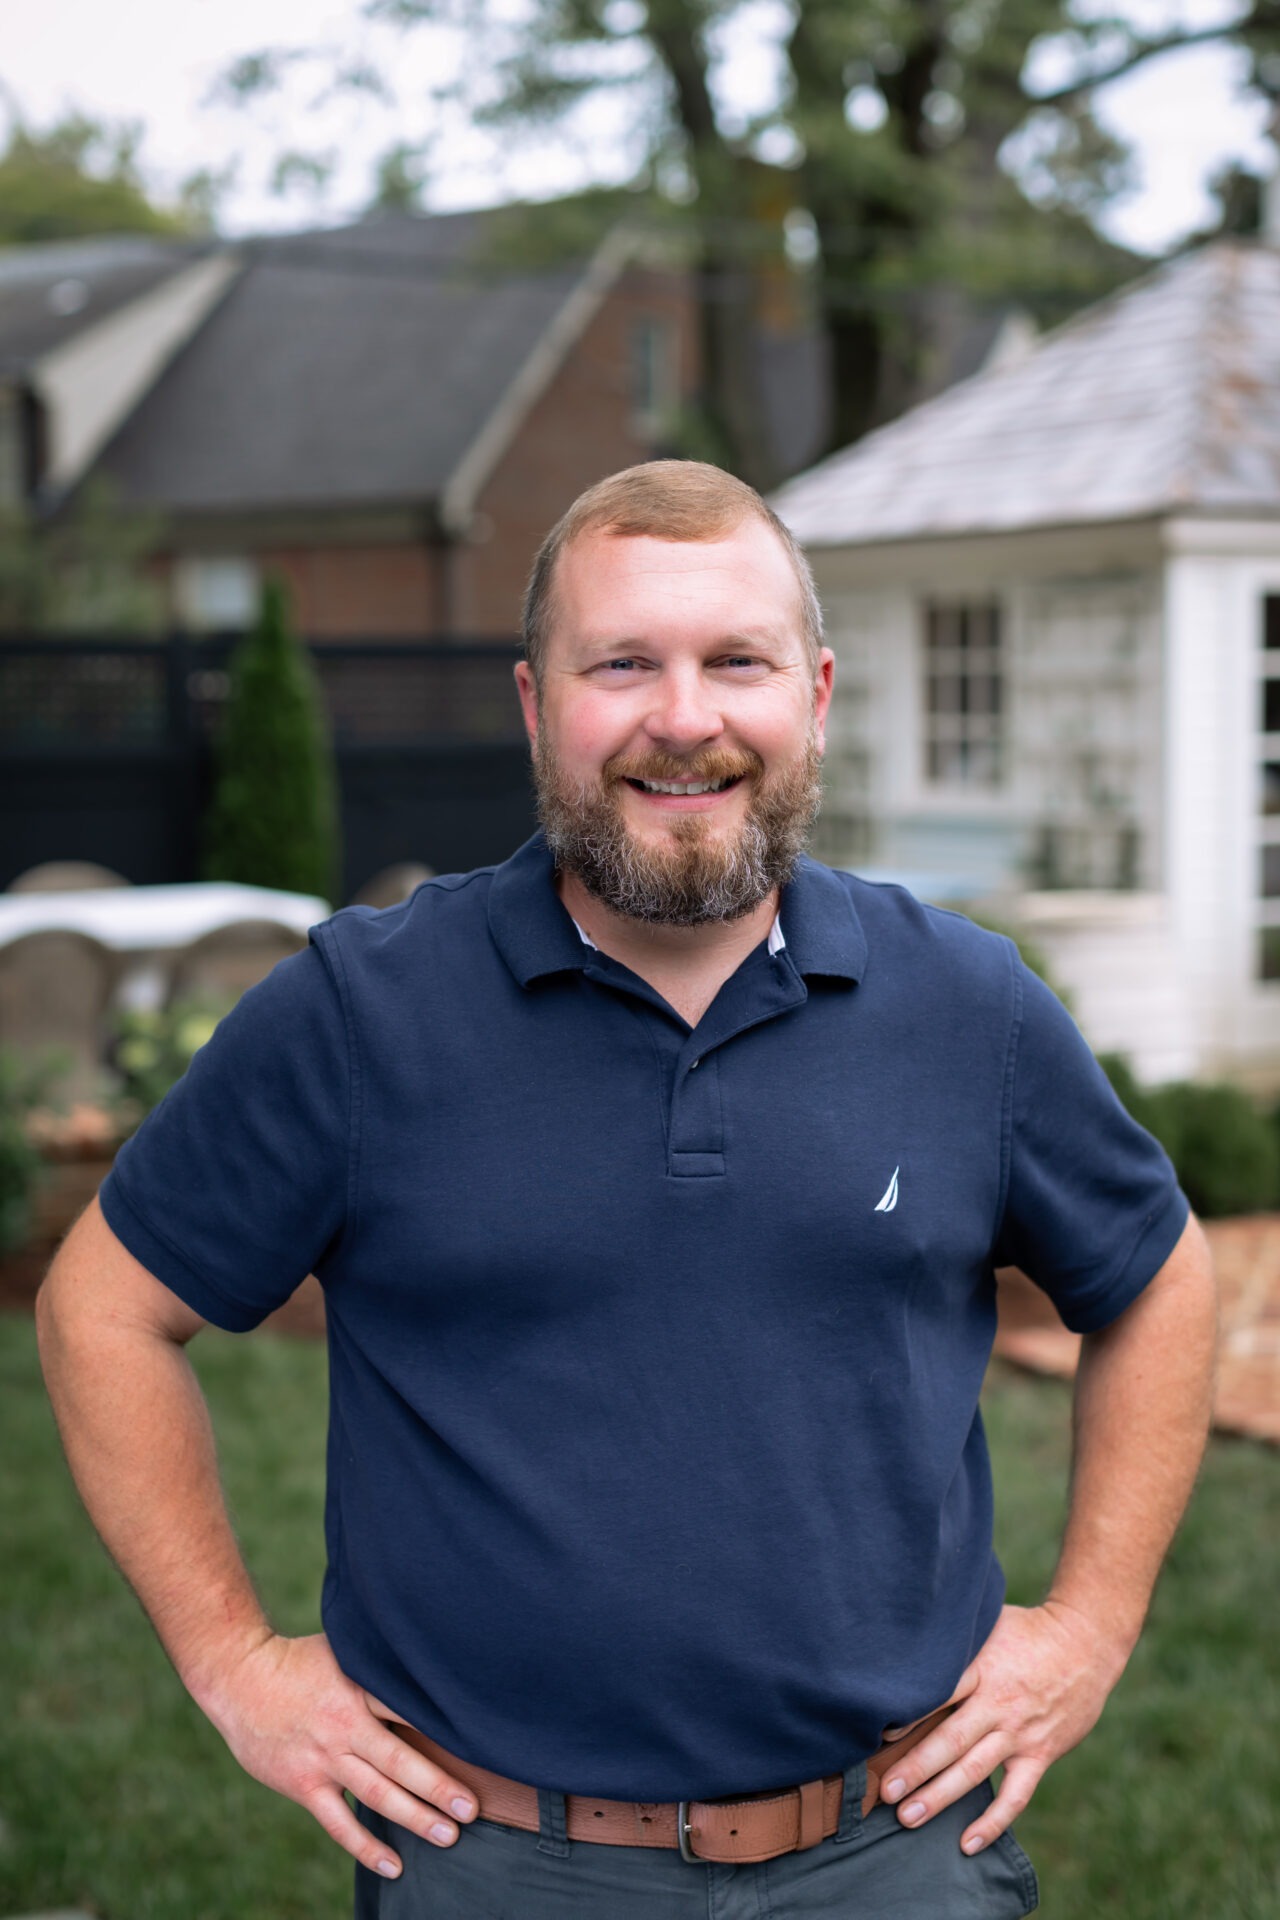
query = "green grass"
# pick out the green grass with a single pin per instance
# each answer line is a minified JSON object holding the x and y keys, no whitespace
{"x":116,"y":1796}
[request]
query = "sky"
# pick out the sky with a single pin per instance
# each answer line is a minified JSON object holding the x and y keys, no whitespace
{"x":157,"y":62}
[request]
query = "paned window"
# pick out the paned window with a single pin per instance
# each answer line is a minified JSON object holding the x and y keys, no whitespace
{"x":1267,"y":897}
{"x":215,"y":593}
{"x":964,"y":695}
{"x":654,"y":393}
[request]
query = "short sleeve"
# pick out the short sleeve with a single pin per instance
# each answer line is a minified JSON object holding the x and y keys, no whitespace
{"x":1092,"y":1205}
{"x":234,"y":1186}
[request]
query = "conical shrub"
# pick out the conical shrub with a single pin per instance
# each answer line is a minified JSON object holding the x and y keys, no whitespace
{"x":273,"y":819}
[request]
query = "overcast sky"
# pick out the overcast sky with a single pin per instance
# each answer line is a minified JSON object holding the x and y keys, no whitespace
{"x":156,"y":61}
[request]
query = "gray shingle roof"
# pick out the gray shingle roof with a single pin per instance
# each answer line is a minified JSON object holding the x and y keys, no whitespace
{"x":1164,"y":398}
{"x":52,"y":292}
{"x":345,"y":368}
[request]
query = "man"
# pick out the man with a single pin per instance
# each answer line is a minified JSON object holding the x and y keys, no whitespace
{"x":656,"y":1179}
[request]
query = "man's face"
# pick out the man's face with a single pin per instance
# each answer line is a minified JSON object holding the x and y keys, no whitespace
{"x":678,"y":729}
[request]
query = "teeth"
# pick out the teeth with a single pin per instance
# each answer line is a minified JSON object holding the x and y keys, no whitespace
{"x":684,"y":786}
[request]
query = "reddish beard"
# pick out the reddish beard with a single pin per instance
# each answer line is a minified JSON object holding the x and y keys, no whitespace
{"x":696,"y":875}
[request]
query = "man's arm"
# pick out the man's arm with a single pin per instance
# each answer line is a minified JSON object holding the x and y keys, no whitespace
{"x":140,"y":1446}
{"x":1142,"y":1405}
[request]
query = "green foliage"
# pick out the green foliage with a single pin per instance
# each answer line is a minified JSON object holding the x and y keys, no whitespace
{"x":941,"y":177}
{"x":911,"y":136}
{"x":80,"y":177}
{"x":273,"y":821}
{"x":401,"y":179}
{"x":1226,"y":1153}
{"x":84,"y":572}
{"x":153,"y":1048}
{"x":24,"y":1086}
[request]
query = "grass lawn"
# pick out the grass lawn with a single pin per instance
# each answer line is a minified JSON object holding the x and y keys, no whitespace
{"x":117,"y":1797}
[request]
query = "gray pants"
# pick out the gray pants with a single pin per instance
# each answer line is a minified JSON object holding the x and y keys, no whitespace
{"x":872,"y":1869}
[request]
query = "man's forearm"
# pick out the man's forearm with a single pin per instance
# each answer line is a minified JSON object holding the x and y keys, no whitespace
{"x":1143,"y":1403}
{"x":140,"y":1446}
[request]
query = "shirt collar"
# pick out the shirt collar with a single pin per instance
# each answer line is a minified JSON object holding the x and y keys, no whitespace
{"x":817,"y":923}
{"x":777,"y":939}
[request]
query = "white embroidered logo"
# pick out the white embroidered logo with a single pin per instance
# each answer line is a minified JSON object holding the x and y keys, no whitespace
{"x":889,"y":1199}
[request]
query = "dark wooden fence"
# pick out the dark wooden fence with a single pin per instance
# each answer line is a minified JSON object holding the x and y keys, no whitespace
{"x":105,"y":752}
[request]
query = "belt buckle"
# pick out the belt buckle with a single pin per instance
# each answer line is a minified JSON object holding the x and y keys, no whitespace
{"x":683,"y":1831}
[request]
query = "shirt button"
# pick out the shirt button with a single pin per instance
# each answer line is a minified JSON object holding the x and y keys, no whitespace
{"x":693,"y":1064}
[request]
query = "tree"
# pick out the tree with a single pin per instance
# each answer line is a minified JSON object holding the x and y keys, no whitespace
{"x":919,"y":146}
{"x":83,"y":572}
{"x":80,"y":177}
{"x":273,"y":821}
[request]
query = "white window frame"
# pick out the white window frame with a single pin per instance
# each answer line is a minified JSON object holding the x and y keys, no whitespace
{"x":651,"y":365}
{"x":964,"y":744}
{"x":216,"y":592}
{"x":1266,"y":908}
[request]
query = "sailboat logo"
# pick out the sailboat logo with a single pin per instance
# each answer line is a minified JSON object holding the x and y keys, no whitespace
{"x":889,"y":1199}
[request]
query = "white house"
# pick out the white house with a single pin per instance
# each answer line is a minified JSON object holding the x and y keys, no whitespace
{"x":1054,"y":596}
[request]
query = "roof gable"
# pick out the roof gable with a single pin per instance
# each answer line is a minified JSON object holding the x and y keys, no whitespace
{"x":345,"y":369}
{"x":1163,"y":398}
{"x":51,"y":293}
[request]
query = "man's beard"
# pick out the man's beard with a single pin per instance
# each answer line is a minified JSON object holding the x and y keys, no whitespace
{"x":695,"y":874}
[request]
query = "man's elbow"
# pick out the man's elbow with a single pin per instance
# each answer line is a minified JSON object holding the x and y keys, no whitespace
{"x":96,"y":1288}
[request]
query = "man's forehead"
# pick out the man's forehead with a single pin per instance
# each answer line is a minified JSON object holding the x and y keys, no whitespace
{"x":738,"y":567}
{"x":603,"y":545}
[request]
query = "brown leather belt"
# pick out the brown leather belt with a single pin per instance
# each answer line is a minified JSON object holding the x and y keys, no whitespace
{"x":720,"y":1832}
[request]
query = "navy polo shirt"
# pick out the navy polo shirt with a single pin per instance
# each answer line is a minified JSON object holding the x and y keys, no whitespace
{"x":655,"y":1468}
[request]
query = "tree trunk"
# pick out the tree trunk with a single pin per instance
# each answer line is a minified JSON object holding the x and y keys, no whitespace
{"x":731,"y":396}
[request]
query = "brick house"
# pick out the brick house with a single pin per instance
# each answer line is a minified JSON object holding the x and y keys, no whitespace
{"x":385,"y":415}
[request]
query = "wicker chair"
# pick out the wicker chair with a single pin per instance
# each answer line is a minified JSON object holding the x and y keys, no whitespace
{"x":222,"y":965}
{"x":55,"y":987}
{"x":392,"y":885}
{"x":65,"y":876}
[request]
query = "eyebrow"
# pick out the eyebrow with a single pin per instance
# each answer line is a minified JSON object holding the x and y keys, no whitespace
{"x":632,"y":643}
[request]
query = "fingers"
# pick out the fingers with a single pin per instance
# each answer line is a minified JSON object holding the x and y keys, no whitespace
{"x":327,"y":1805}
{"x":403,"y":1766}
{"x":384,"y":1797}
{"x":966,"y":1685}
{"x":395,"y":1781}
{"x":938,"y":1752}
{"x":1021,"y":1778}
{"x":970,"y":1767}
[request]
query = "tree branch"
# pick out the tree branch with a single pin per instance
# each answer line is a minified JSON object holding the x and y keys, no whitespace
{"x":1137,"y":57}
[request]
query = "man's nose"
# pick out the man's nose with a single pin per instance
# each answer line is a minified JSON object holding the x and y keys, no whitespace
{"x":684,"y":712}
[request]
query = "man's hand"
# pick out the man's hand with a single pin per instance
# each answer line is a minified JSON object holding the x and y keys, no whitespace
{"x":1142,"y":1401}
{"x":294,"y":1721}
{"x":1034,"y":1691}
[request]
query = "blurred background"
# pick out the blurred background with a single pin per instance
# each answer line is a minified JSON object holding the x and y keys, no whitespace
{"x":312,"y":321}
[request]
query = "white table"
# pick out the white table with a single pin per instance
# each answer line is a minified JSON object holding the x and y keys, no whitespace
{"x":149,"y":923}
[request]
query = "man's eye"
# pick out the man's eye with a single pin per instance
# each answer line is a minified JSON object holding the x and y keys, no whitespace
{"x":618,"y":666}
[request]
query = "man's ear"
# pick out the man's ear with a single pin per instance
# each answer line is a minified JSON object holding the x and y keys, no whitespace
{"x":527,"y":688}
{"x":822,"y":695}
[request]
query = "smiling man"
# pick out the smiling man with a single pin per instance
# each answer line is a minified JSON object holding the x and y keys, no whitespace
{"x":656,"y":1179}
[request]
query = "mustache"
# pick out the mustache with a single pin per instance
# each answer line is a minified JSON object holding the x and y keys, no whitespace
{"x":716,"y":763}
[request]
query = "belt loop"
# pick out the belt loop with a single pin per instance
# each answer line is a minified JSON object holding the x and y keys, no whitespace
{"x":553,"y":1836}
{"x":855,"y":1786}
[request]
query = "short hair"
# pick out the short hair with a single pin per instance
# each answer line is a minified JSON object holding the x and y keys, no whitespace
{"x":665,"y":500}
